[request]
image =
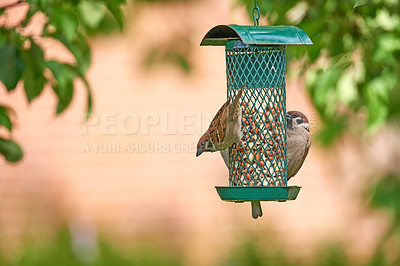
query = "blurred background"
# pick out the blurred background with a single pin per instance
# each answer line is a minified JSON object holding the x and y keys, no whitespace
{"x":125,"y":188}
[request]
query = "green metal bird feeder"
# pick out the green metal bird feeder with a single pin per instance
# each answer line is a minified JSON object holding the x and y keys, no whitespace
{"x":257,"y":55}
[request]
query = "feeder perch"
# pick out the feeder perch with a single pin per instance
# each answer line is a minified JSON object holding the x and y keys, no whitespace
{"x":256,"y":55}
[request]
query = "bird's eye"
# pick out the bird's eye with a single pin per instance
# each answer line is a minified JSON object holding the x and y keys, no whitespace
{"x":203,"y":143}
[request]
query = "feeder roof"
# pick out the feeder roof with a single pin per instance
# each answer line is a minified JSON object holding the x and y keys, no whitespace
{"x":258,"y":35}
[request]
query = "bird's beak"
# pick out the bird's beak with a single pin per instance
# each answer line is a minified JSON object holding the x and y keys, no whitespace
{"x":199,"y":151}
{"x":288,"y":116}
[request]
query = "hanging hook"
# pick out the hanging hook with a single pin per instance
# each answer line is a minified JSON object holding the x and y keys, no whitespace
{"x":256,"y":16}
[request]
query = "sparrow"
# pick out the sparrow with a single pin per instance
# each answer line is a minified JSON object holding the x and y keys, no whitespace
{"x":225,"y":128}
{"x":298,"y":142}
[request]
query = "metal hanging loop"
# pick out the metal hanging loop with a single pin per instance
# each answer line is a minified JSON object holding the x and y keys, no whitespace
{"x":256,"y":13}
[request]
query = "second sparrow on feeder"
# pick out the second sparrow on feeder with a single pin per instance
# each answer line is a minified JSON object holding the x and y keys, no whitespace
{"x":225,"y":128}
{"x":298,"y":143}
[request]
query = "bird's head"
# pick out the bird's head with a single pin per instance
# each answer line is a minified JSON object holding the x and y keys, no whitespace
{"x":297,"y":119}
{"x":205,"y":144}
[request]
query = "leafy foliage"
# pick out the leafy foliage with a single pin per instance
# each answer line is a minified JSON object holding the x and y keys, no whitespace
{"x":384,"y":195}
{"x":251,"y":251}
{"x":64,"y":250}
{"x":353,"y":66}
{"x":22,"y":57}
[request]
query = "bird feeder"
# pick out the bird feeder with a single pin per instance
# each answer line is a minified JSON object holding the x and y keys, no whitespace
{"x":256,"y":55}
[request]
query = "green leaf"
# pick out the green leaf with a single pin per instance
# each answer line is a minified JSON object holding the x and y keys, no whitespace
{"x":89,"y":106}
{"x":331,"y":130}
{"x":314,"y":52}
{"x":116,"y":11}
{"x":69,"y":24}
{"x":321,"y":85}
{"x":10,"y":150}
{"x":342,"y":60}
{"x":358,"y":3}
{"x":11,"y":67}
{"x":388,"y":45}
{"x":79,"y":48}
{"x":33,"y":77}
{"x":386,"y":21}
{"x":4,"y":118}
{"x":385,"y":194}
{"x":182,"y":62}
{"x":65,"y":70}
{"x":91,"y":13}
{"x":347,"y":88}
{"x":33,"y":83}
{"x":63,"y":87}
{"x":89,"y":97}
{"x":377,"y":98}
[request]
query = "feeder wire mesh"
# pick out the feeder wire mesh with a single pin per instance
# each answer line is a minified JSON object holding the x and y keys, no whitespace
{"x":261,"y":160}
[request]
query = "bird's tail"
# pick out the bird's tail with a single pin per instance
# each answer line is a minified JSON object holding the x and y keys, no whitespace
{"x":256,"y":210}
{"x":238,"y":95}
{"x":225,"y":156}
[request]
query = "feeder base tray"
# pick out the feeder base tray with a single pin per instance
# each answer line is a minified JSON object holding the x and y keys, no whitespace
{"x":241,"y":194}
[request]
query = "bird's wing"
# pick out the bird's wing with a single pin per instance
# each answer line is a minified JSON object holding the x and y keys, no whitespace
{"x":217,"y":127}
{"x":308,"y":144}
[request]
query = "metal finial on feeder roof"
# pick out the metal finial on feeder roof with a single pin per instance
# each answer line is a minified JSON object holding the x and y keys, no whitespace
{"x":256,"y":55}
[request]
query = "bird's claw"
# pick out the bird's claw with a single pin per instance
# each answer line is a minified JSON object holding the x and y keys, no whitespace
{"x":238,"y":147}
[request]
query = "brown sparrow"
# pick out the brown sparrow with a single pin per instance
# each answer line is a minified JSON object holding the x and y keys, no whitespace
{"x":225,"y":128}
{"x":298,"y":141}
